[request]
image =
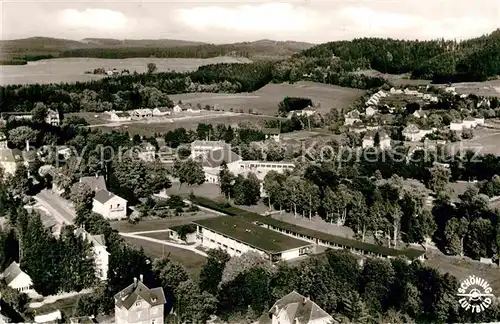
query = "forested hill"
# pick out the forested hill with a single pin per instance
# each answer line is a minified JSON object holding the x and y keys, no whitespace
{"x":440,"y":60}
{"x":20,"y":51}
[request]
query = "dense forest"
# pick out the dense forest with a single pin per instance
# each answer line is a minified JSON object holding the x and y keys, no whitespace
{"x":440,"y":60}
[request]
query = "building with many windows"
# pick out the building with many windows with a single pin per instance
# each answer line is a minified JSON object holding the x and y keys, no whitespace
{"x":237,"y":236}
{"x":109,"y":205}
{"x":139,"y":304}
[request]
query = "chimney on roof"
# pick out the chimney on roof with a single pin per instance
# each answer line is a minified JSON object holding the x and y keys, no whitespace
{"x":141,"y":278}
{"x":27,"y":145}
{"x":135,"y":282}
{"x":306,"y":299}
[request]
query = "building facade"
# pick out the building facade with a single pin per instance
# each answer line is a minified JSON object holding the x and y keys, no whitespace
{"x":137,"y":304}
{"x":204,"y":147}
{"x":109,"y":205}
{"x":100,"y":252}
{"x":53,"y":118}
{"x":237,"y":237}
{"x":120,"y":116}
{"x":17,"y":279}
{"x":10,"y":160}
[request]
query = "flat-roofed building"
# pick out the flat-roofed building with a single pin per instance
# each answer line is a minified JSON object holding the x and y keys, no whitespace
{"x":236,"y":236}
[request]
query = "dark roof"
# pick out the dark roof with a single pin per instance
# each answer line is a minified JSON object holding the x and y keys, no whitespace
{"x":122,"y":114}
{"x":215,"y":158}
{"x":410,"y":253}
{"x":11,"y":272}
{"x":300,"y":310}
{"x":128,"y":296}
{"x":95,"y":183}
{"x":103,"y":196}
{"x":163,"y":109}
{"x":250,"y":234}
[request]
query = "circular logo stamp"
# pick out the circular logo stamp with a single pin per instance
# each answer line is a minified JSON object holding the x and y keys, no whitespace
{"x":475,"y":294}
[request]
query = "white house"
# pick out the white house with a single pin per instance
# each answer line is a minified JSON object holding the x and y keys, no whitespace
{"x":479,"y":121}
{"x":203,"y":147}
{"x":295,"y":308}
{"x":352,"y":117}
{"x":109,"y":205}
{"x":139,"y":304}
{"x":457,"y":125}
{"x":120,"y":116}
{"x":53,"y":118}
{"x":177,"y":109}
{"x":147,"y":152}
{"x":193,"y":110}
{"x":211,"y":162}
{"x":101,"y":254}
{"x":419,"y":114}
{"x":414,"y":134}
{"x":162,"y":111}
{"x":369,"y":139}
{"x":142,"y":113}
{"x":272,"y":134}
{"x":409,"y":92}
{"x":370,"y":111}
{"x":238,"y":236}
{"x":9,"y":160}
{"x":469,"y":122}
{"x":308,"y":111}
{"x":396,"y":91}
{"x":17,"y":279}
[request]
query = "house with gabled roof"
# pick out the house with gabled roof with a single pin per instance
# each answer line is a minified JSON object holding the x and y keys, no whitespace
{"x":212,"y":160}
{"x":162,"y":111}
{"x":95,"y":183}
{"x":53,"y":118}
{"x":120,"y":116}
{"x":101,"y":254}
{"x":142,"y":113}
{"x":369,"y":139}
{"x":419,"y":114}
{"x":352,"y":117}
{"x":10,"y":159}
{"x":17,"y":279}
{"x":139,"y":304}
{"x":109,"y":205}
{"x":296,"y":309}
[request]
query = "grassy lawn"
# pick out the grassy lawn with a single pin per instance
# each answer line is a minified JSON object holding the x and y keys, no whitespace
{"x":462,"y":268}
{"x":158,"y":224}
{"x":90,"y":117}
{"x":158,"y":235}
{"x":192,"y":261}
{"x":208,"y":190}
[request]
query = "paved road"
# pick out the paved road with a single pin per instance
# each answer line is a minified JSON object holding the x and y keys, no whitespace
{"x":57,"y":206}
{"x":180,"y":246}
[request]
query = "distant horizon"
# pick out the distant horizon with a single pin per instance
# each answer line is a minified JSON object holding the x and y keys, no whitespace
{"x":224,"y":21}
{"x":241,"y":41}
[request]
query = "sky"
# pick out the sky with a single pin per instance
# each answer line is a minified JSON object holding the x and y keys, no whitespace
{"x":235,"y":21}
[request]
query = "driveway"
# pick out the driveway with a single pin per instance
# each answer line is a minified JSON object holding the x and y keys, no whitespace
{"x":57,"y":206}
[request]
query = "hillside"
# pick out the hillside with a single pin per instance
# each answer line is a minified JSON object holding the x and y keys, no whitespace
{"x":475,"y":59}
{"x":29,"y":49}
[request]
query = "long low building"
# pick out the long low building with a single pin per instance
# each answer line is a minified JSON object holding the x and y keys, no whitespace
{"x":312,"y":236}
{"x":237,"y":236}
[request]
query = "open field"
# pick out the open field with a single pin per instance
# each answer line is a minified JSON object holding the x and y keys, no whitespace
{"x":158,"y":224}
{"x":157,"y":235}
{"x":73,"y":69}
{"x":487,"y":88}
{"x":266,"y":99}
{"x":192,"y":261}
{"x":209,"y":190}
{"x":462,"y":268}
{"x":485,"y":141}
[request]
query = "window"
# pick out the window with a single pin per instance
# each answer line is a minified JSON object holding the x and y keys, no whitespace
{"x":139,"y":314}
{"x":137,"y":303}
{"x":153,"y":321}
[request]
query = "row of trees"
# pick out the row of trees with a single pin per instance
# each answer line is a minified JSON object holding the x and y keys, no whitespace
{"x":379,"y":291}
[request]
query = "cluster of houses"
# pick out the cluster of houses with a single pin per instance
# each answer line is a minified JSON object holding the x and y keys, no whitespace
{"x":52,"y":117}
{"x":408,"y":92}
{"x":308,"y":111}
{"x":145,"y":113}
{"x":467,"y":123}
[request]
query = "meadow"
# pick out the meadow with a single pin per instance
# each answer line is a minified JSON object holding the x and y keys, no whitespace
{"x":265,"y":100}
{"x":73,"y":69}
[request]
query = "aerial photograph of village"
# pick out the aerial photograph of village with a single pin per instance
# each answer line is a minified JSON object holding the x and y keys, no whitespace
{"x":306,"y":162}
